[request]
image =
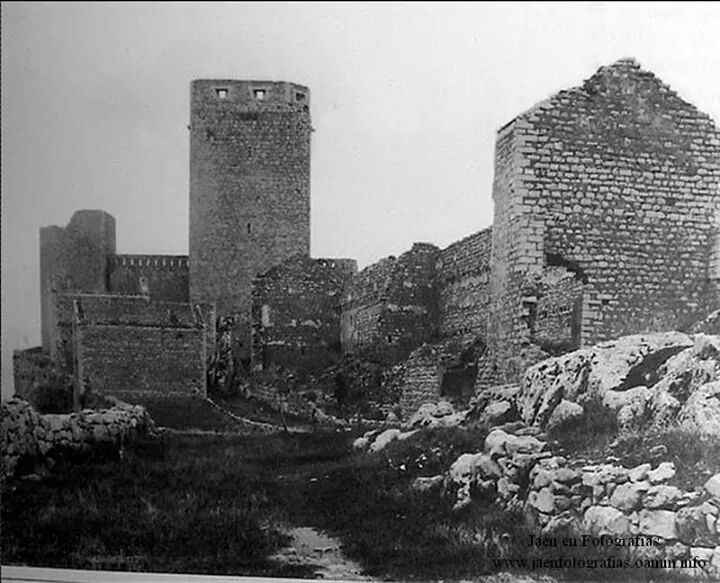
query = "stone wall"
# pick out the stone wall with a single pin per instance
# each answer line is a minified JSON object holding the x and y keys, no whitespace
{"x":418,"y":380}
{"x":296,"y":313}
{"x":123,"y":360}
{"x":556,"y":318}
{"x":26,"y":434}
{"x":249,"y":189}
{"x":463,"y":272}
{"x":163,"y":278}
{"x":391,"y":307}
{"x":75,"y":258}
{"x":618,"y":178}
{"x":32,"y":369}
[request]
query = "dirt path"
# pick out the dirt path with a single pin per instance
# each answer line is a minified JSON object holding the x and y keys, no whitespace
{"x":310,"y":547}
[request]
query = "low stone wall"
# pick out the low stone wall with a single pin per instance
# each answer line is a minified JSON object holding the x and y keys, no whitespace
{"x":25,"y":433}
{"x":635,"y":508}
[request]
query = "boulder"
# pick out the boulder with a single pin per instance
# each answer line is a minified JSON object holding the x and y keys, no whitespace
{"x":429,"y":414}
{"x":682,"y":375}
{"x":639,"y":473}
{"x":701,"y":411}
{"x":464,"y":473}
{"x":542,"y":500}
{"x":627,"y":496}
{"x":564,"y":413}
{"x":427,"y":484}
{"x":661,"y":496}
{"x":617,"y":365}
{"x":693,"y":528}
{"x":361,"y":443}
{"x":382,"y":440}
{"x":712,"y":486}
{"x":662,"y":473}
{"x":498,"y":412}
{"x":606,"y":520}
{"x":499,"y":443}
{"x":657,"y":523}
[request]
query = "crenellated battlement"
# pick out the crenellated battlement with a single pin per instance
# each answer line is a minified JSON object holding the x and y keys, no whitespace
{"x":149,"y":261}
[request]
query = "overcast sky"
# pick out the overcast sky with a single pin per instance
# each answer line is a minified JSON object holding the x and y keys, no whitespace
{"x":406,"y":100}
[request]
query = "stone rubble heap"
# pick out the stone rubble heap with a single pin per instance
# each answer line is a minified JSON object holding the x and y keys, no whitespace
{"x":24,"y":432}
{"x":517,"y":470}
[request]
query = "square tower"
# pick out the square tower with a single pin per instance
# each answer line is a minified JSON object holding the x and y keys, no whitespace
{"x":249,"y":186}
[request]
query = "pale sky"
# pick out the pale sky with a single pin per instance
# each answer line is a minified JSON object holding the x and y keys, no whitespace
{"x":406,"y":100}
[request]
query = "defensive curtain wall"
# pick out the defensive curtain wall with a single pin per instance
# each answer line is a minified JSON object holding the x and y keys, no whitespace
{"x":605,"y":223}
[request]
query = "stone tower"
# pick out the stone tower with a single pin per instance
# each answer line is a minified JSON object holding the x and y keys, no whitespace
{"x":249,"y":187}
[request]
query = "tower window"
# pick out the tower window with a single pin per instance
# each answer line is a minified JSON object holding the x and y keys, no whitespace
{"x":248,"y":228}
{"x":259,"y":94}
{"x":221,"y":93}
{"x":299,"y":96}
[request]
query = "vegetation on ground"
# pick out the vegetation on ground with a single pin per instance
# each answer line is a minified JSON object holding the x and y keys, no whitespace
{"x":221,"y":504}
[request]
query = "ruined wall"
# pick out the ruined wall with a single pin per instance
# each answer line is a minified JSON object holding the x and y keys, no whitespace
{"x":25,"y":434}
{"x":296,"y":313}
{"x":617,"y":180}
{"x":74,"y":258}
{"x":463,"y":272}
{"x":249,"y":189}
{"x":161,"y":277}
{"x":417,"y":380}
{"x":391,"y":307}
{"x":556,"y":321}
{"x":32,"y":369}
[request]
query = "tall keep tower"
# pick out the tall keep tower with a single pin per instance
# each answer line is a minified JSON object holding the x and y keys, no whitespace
{"x":249,"y":186}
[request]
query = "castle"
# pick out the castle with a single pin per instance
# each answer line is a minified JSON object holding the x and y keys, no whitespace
{"x":605,"y":223}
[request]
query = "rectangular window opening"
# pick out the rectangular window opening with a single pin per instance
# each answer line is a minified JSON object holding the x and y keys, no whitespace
{"x":221,"y":93}
{"x":299,"y":96}
{"x":259,"y":94}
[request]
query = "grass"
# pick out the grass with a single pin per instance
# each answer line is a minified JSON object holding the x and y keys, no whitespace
{"x":219,"y":504}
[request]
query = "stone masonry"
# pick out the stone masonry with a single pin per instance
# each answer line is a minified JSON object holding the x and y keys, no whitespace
{"x":249,"y":189}
{"x":605,"y":223}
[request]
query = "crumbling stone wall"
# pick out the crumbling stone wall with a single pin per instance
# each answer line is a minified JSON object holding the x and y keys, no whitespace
{"x":163,"y":278}
{"x":463,"y":272}
{"x":556,"y":318}
{"x":74,"y":257}
{"x":249,"y":189}
{"x":391,"y":307}
{"x":619,"y":179}
{"x":296,"y":313}
{"x":26,"y":434}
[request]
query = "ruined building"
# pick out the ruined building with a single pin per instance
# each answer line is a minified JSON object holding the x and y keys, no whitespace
{"x":605,"y":223}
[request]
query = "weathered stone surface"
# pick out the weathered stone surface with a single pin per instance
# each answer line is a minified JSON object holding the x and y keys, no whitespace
{"x":563,"y":413}
{"x":682,"y":375}
{"x":657,"y":523}
{"x":464,"y":473}
{"x":712,"y":486}
{"x":701,"y":412}
{"x":427,"y":484}
{"x":609,"y":366}
{"x":387,"y":437}
{"x":661,"y":496}
{"x":662,"y":473}
{"x":692,"y":527}
{"x":639,"y":473}
{"x":25,"y":433}
{"x":626,"y":497}
{"x":361,"y":443}
{"x":606,"y":520}
{"x":542,"y":500}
